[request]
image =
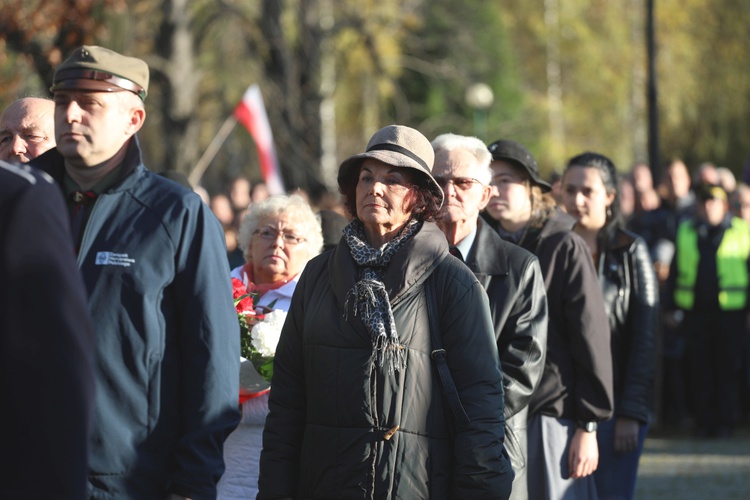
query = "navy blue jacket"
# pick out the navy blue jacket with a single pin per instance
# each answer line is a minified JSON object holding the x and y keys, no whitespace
{"x":154,"y":261}
{"x":46,"y":344}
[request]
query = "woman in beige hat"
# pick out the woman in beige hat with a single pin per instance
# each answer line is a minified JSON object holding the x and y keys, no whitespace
{"x":357,"y":409}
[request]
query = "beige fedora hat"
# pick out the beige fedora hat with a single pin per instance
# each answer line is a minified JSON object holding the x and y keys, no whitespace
{"x":399,"y":146}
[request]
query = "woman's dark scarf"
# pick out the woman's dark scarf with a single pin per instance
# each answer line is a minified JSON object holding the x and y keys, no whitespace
{"x":369,"y":294}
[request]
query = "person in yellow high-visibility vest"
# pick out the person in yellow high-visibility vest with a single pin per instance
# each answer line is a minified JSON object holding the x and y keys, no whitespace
{"x":709,"y":287}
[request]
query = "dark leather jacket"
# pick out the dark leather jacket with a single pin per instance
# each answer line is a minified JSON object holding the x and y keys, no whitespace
{"x":631,"y":297}
{"x":577,"y":380}
{"x":518,"y":302}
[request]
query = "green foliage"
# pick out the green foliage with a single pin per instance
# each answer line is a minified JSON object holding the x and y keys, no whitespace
{"x":450,"y":53}
{"x":411,"y":62}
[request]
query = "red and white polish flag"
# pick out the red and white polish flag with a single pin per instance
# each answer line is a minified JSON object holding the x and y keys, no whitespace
{"x":251,"y":113}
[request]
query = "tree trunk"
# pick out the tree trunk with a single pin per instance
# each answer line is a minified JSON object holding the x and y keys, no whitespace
{"x":175,"y":72}
{"x":295,"y":100}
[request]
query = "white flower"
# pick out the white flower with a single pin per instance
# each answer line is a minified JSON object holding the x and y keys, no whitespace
{"x":266,"y":333}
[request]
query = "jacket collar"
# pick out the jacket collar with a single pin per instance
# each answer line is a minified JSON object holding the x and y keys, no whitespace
{"x":725,"y":223}
{"x":53,"y":163}
{"x":488,"y":253}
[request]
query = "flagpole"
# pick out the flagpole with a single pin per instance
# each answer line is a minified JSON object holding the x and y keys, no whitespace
{"x":213,"y":148}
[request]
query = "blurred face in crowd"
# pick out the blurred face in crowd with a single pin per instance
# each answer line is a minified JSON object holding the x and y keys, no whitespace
{"x":222,"y":209}
{"x":465,"y":196}
{"x":627,"y":198}
{"x":712,"y":210}
{"x":648,"y":200}
{"x":678,"y":179}
{"x":585,"y":197}
{"x":510,"y":203}
{"x":707,"y":174}
{"x":382,"y":197}
{"x":239,"y":193}
{"x":27,"y":129}
{"x":277,"y":249}
{"x":642,"y":178}
{"x":91,"y":127}
{"x":741,"y":203}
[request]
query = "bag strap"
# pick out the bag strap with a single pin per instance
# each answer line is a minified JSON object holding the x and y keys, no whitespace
{"x":438,"y":356}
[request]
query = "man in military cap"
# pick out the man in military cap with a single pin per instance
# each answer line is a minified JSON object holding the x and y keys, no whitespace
{"x":154,"y":263}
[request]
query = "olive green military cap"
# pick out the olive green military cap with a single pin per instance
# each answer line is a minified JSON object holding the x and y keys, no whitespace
{"x":96,"y":68}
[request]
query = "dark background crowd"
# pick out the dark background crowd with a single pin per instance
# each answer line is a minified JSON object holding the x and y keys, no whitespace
{"x":654,"y":209}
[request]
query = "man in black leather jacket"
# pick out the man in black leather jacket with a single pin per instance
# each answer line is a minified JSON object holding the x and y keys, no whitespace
{"x":511,"y":277}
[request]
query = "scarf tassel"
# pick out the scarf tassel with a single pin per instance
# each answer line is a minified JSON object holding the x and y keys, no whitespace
{"x":388,"y":351}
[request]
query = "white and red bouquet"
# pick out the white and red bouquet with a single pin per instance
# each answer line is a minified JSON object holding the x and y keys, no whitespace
{"x":260,"y":329}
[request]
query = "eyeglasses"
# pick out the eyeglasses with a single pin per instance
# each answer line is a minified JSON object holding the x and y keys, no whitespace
{"x":460,"y":183}
{"x":269,"y":234}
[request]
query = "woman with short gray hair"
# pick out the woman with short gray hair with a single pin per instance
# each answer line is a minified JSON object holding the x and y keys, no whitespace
{"x":277,"y":236}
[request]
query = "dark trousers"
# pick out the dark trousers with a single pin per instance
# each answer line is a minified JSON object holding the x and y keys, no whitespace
{"x":714,"y":346}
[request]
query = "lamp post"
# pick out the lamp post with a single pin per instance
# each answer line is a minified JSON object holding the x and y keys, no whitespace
{"x":479,"y":97}
{"x":653,"y":107}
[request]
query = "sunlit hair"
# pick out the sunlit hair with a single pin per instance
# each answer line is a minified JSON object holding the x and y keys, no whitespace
{"x":475,"y":146}
{"x":422,"y":203}
{"x":542,"y":206}
{"x":306,"y":222}
{"x":608,"y":174}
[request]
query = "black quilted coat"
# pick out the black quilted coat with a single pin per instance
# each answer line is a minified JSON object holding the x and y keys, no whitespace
{"x":332,"y":410}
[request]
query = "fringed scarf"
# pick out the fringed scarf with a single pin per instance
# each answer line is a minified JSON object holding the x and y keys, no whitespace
{"x":370,"y":298}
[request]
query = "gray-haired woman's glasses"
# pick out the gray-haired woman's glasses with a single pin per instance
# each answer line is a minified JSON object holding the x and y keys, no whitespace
{"x":269,"y":234}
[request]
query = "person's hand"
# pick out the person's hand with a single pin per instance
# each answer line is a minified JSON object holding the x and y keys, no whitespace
{"x":253,"y":320}
{"x":583,"y":457}
{"x":626,"y":435}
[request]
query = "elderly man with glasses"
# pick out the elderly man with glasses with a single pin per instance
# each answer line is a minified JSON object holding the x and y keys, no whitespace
{"x":510,"y":275}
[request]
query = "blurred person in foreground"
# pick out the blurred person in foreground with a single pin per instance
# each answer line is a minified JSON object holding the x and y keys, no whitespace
{"x":278,"y":236}
{"x":708,"y":296}
{"x":357,"y":409}
{"x":575,"y":393}
{"x":27,"y":129}
{"x":46,"y":344}
{"x":590,"y":194}
{"x":154,"y":263}
{"x":510,"y":275}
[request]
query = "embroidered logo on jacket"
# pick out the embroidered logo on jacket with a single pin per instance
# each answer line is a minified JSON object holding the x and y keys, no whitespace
{"x":113,"y":259}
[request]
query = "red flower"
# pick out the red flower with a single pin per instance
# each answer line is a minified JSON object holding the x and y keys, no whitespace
{"x":243,"y":302}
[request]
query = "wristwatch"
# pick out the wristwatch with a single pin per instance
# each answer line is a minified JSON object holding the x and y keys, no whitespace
{"x":587,"y":426}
